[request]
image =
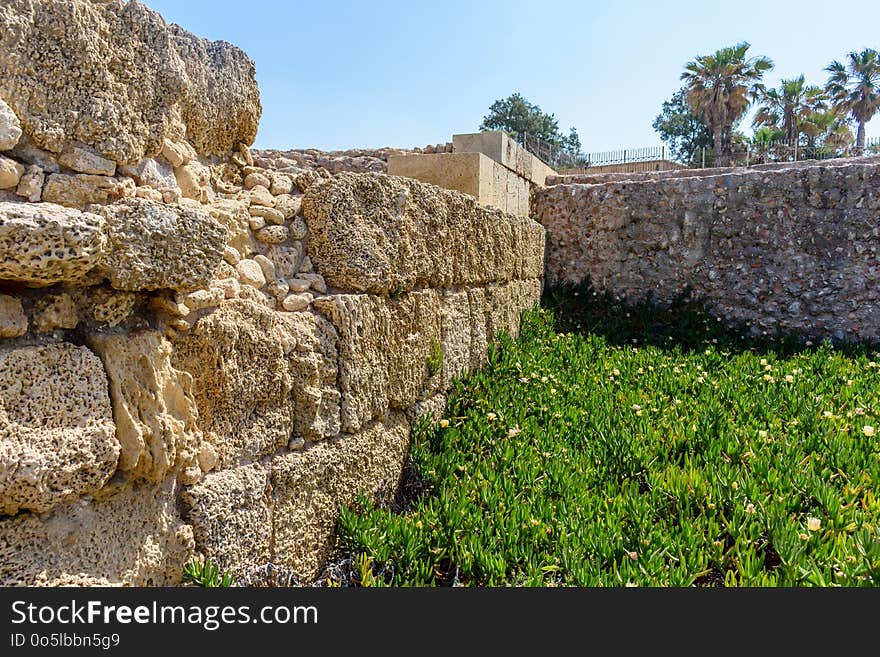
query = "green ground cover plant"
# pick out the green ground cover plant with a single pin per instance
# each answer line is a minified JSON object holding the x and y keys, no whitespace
{"x":617,"y":445}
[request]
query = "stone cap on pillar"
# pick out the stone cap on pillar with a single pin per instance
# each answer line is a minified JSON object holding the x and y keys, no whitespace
{"x":504,"y":150}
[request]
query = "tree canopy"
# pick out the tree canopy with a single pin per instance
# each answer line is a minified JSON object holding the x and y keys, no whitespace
{"x":519,"y":117}
{"x":683,"y":131}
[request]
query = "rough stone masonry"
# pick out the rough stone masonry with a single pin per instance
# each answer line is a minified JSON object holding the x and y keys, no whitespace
{"x":791,"y":247}
{"x":199,"y":355}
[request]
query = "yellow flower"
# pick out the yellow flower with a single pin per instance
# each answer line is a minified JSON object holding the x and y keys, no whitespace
{"x":762,"y":433}
{"x":491,"y":416}
{"x":868,"y":430}
{"x":814,"y":524}
{"x":789,"y":378}
{"x":827,"y":415}
{"x":444,"y":423}
{"x":767,"y":377}
{"x":763,"y":361}
{"x":734,"y":485}
{"x":750,"y":508}
{"x":615,"y":372}
{"x":768,"y":368}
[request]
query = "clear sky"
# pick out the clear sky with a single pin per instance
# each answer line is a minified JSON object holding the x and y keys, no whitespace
{"x":337,"y":74}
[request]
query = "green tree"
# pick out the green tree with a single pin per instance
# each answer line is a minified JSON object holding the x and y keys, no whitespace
{"x":683,"y":131}
{"x":854,"y":89}
{"x":573,"y":142}
{"x":788,"y":107}
{"x":517,"y":116}
{"x":720,"y":88}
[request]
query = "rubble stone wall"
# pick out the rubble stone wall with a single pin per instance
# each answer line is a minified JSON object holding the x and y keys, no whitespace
{"x":785,"y":247}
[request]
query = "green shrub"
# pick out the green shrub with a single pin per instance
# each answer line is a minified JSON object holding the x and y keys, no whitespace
{"x":435,"y":359}
{"x":206,"y":574}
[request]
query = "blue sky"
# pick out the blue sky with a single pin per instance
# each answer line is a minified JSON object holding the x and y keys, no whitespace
{"x":338,"y":74}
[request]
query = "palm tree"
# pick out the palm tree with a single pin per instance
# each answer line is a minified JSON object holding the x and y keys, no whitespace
{"x":787,"y":107}
{"x":720,"y":88}
{"x":854,"y":89}
{"x":826,"y":132}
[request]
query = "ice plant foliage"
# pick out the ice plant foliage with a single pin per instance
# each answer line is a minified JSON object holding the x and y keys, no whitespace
{"x":649,"y":449}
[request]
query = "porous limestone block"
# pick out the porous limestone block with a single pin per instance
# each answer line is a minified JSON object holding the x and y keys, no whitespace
{"x":231,"y":519}
{"x":56,"y":311}
{"x":156,"y":173}
{"x":116,"y":77}
{"x":10,"y":127}
{"x":502,"y":149}
{"x":13,"y":321}
{"x":234,"y":217}
{"x":153,"y":246}
{"x":313,"y":369}
{"x":57,"y":437}
{"x":10,"y":172}
{"x":153,"y":405}
{"x":380,"y":234}
{"x":456,"y":334}
{"x":384,"y":347}
{"x":82,"y":189}
{"x":310,"y":486}
{"x":135,"y":538}
{"x":31,"y":184}
{"x":84,"y":159}
{"x":238,"y":358}
{"x":44,"y":243}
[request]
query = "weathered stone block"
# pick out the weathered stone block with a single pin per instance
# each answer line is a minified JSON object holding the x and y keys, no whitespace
{"x":44,"y":243}
{"x":136,"y":538}
{"x":153,"y":246}
{"x":231,"y":518}
{"x":309,"y":487}
{"x":57,"y":438}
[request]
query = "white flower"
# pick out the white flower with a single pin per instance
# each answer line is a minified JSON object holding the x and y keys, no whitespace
{"x":814,"y":524}
{"x":868,"y":430}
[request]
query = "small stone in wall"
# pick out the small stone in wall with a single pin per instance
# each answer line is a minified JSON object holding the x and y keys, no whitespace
{"x":298,"y":285}
{"x":177,"y":153}
{"x":207,"y":456}
{"x":230,"y":286}
{"x":256,"y":223}
{"x":114,"y":308}
{"x":298,"y":228}
{"x":193,"y":178}
{"x":204,"y":298}
{"x":231,"y":255}
{"x":250,"y":273}
{"x":296,"y":443}
{"x":278,"y":288}
{"x":84,"y":159}
{"x":149,"y":193}
{"x":281,"y":184}
{"x":254,"y":179}
{"x":267,"y":265}
{"x":55,"y":312}
{"x":262,"y":196}
{"x":13,"y":321}
{"x":10,"y":127}
{"x":31,"y":184}
{"x":294,"y":302}
{"x":306,"y":266}
{"x":273,"y":234}
{"x":25,"y":151}
{"x":271,"y":215}
{"x":225,"y":270}
{"x":316,"y":281}
{"x":288,"y":205}
{"x":10,"y":172}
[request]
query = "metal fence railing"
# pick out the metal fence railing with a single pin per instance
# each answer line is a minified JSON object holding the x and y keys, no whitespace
{"x":657,"y":158}
{"x":779,"y":151}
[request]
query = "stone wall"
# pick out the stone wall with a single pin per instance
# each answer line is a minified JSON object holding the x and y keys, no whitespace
{"x":782,"y":247}
{"x":198,"y":354}
{"x":355,"y":160}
